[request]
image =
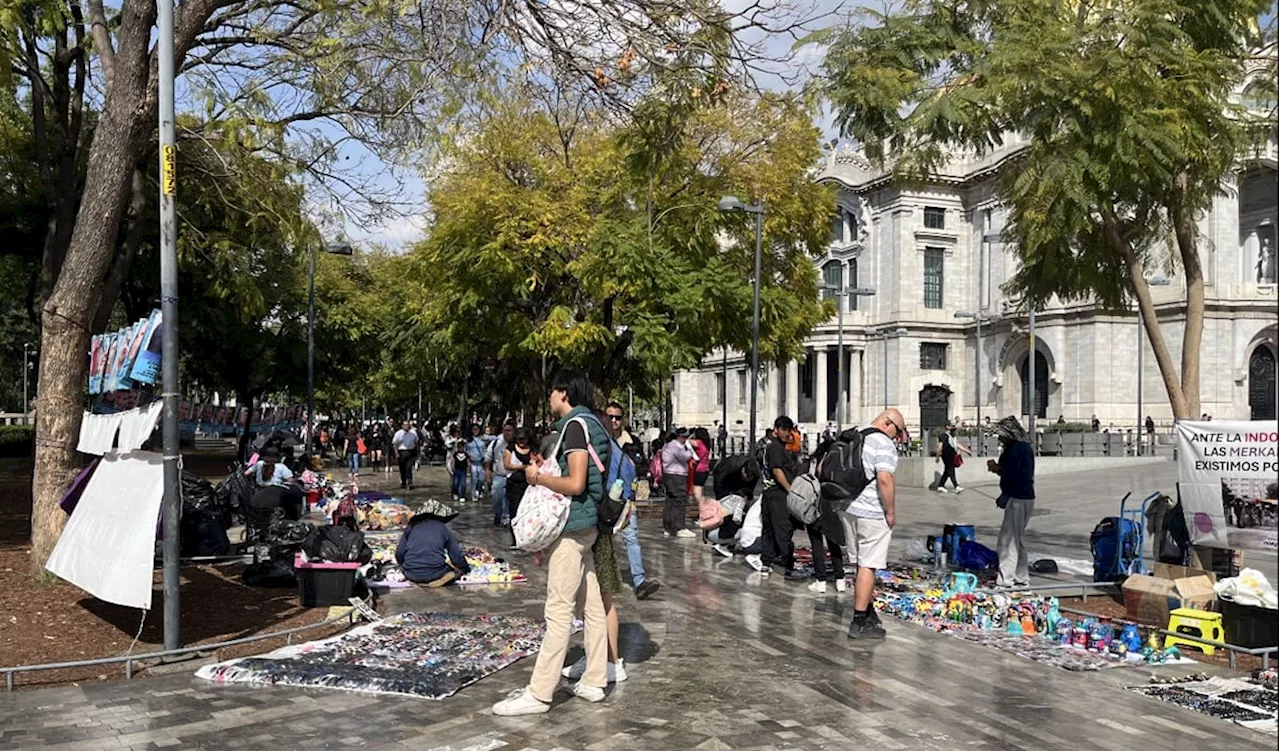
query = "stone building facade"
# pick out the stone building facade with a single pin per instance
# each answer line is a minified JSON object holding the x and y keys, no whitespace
{"x":930,"y":253}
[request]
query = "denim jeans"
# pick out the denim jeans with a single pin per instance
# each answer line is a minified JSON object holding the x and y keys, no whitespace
{"x":632,"y":542}
{"x":353,"y":461}
{"x":459,"y":484}
{"x":499,"y":492}
{"x":477,"y":481}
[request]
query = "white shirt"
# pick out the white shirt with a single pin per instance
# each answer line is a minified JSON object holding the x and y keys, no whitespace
{"x":878,"y":455}
{"x":404,"y":440}
{"x":494,"y":456}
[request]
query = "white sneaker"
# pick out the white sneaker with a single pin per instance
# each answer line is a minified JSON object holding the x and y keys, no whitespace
{"x":722,"y":550}
{"x":685,"y":534}
{"x":959,"y":490}
{"x":614,"y":671}
{"x":522,"y":702}
{"x":819,"y":588}
{"x":841,"y":585}
{"x":590,"y":693}
{"x":665,"y":533}
{"x":941,"y":489}
{"x":754,"y":562}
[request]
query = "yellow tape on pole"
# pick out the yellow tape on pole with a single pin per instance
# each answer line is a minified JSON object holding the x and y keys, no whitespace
{"x":169,"y":174}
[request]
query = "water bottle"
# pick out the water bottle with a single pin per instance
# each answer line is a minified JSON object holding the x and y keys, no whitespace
{"x":615,"y":490}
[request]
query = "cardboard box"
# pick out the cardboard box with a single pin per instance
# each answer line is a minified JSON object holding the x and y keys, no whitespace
{"x":1150,"y":598}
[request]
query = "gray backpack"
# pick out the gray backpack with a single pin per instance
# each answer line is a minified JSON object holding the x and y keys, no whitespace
{"x":803,"y":499}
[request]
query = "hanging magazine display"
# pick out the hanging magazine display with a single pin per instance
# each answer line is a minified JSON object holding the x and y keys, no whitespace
{"x":126,"y":358}
{"x":1227,"y":483}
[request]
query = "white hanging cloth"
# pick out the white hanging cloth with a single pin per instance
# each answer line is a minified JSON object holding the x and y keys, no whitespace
{"x":137,"y":424}
{"x":98,"y":433}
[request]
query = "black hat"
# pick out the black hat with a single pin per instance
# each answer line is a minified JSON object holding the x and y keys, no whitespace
{"x":270,"y":453}
{"x":682,"y":431}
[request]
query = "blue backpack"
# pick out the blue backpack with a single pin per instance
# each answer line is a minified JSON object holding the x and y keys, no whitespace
{"x":621,"y":467}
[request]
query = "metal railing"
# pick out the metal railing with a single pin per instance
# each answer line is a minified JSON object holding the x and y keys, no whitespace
{"x":128,"y":660}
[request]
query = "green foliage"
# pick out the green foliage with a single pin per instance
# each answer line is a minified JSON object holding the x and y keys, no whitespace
{"x":559,"y":233}
{"x":17,"y":440}
{"x":1125,"y":110}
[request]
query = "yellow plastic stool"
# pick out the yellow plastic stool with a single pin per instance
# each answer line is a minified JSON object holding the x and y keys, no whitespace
{"x":1194,"y":622}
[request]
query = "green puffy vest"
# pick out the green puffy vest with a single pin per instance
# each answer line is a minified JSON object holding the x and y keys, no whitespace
{"x":582,"y":512}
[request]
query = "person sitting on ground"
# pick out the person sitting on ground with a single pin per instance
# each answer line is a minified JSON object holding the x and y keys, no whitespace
{"x":428,"y":553}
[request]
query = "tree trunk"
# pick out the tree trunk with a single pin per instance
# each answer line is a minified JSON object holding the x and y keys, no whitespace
{"x":1184,"y":228}
{"x":1142,"y":291}
{"x":77,"y":292}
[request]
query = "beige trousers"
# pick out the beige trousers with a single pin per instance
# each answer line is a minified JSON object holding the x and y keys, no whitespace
{"x":570,"y":567}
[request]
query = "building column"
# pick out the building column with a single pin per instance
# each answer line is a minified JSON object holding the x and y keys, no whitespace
{"x":769,"y":402}
{"x":793,"y":389}
{"x":820,"y":386}
{"x":852,"y":382}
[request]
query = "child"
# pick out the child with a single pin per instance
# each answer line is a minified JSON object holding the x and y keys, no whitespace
{"x":460,"y":467}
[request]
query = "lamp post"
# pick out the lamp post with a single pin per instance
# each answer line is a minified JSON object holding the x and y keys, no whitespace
{"x":724,"y":395}
{"x":339,"y":249}
{"x":978,"y":317}
{"x":842,"y":292}
{"x":1031,"y":369}
{"x":886,"y":335}
{"x":27,"y":350}
{"x":731,"y":204}
{"x":1157,"y":281}
{"x":171,"y":498}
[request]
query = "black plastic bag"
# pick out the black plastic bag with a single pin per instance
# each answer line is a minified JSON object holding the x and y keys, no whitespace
{"x":198,"y":494}
{"x":337,"y":545}
{"x":203,"y":534}
{"x":285,"y":533}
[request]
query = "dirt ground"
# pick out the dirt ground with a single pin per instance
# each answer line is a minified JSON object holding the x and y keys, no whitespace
{"x":47,"y":620}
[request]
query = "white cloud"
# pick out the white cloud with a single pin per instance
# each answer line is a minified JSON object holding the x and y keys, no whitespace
{"x":396,"y":234}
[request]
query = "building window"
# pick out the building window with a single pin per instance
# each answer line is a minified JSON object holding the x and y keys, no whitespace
{"x":720,"y":386}
{"x":837,"y":228}
{"x":832,"y":277}
{"x":742,"y":386}
{"x":933,"y":356}
{"x":933,"y":277}
{"x":935,"y":218}
{"x":853,"y":282}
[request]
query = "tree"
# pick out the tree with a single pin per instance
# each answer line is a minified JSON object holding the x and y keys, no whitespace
{"x":298,"y":81}
{"x":556,"y":233}
{"x":1129,"y":125}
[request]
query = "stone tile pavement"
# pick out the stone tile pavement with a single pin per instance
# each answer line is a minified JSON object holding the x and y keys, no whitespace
{"x":719,"y":659}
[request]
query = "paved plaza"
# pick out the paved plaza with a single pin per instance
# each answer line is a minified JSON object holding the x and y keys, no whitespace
{"x":718,"y":659}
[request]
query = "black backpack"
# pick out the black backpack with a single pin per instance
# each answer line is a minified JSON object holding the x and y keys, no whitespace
{"x":840,"y":471}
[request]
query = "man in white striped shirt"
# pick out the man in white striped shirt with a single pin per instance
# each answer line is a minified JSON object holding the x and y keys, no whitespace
{"x":870,"y":517}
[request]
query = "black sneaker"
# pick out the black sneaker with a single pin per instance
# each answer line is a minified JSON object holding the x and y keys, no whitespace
{"x":865,"y":628}
{"x":646,"y":589}
{"x":796,"y":575}
{"x":874,"y":617}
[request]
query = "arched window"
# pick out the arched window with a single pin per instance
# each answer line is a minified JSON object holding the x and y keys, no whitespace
{"x":1262,"y":384}
{"x":1259,"y":96}
{"x":832,"y":279}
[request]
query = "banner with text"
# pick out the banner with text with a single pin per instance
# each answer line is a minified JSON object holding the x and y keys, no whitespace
{"x":1227,"y":483}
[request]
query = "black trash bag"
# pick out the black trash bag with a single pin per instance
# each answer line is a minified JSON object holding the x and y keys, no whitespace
{"x":203,"y":534}
{"x":235,"y":490}
{"x":337,"y":545}
{"x":198,"y":494}
{"x":285,"y":533}
{"x":270,"y":573}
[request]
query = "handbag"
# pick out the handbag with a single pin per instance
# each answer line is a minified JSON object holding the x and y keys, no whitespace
{"x":543,"y":512}
{"x":360,"y":447}
{"x":710,"y":514}
{"x":957,"y":460}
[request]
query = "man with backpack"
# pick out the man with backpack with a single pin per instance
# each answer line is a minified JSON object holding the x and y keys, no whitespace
{"x":871,"y":515}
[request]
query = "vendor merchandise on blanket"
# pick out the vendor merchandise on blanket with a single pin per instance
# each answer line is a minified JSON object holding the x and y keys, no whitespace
{"x":1250,"y":702}
{"x":1027,"y":625}
{"x":425,"y":655}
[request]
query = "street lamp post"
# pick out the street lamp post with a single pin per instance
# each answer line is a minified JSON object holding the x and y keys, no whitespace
{"x":885,"y":335}
{"x":978,"y":317}
{"x":1158,"y":281}
{"x":731,"y":204}
{"x":1032,"y":370}
{"x":27,"y":349}
{"x":842,"y":292}
{"x":339,"y":249}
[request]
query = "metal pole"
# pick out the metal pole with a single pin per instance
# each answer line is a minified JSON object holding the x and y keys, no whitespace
{"x":311,"y":348}
{"x":1033,"y":370}
{"x":840,"y":396}
{"x":755,"y":324}
{"x":171,"y":502}
{"x":724,"y":380}
{"x":977,"y":372}
{"x":1137,"y":434}
{"x":26,"y":353}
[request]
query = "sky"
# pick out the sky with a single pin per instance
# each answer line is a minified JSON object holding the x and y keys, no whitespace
{"x":405,"y":226}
